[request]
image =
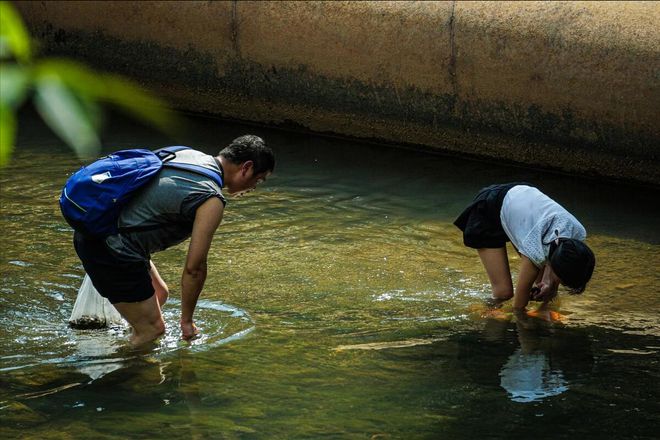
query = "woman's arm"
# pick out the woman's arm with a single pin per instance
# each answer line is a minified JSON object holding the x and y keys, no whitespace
{"x":526,"y":278}
{"x":547,"y":286}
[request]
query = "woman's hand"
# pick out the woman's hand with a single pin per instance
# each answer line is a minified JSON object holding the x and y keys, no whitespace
{"x":547,"y":291}
{"x":526,"y":277}
{"x":543,"y":292}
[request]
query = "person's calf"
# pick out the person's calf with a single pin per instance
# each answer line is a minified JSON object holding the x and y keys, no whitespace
{"x":502,"y":297}
{"x":161,"y":296}
{"x":502,"y":293}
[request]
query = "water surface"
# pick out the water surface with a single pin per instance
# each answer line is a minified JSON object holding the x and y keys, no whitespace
{"x":340,"y":303}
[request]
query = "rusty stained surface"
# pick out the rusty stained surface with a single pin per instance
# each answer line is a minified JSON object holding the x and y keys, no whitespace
{"x":205,"y":25}
{"x":570,"y":85}
{"x":398,"y":44}
{"x":597,"y":60}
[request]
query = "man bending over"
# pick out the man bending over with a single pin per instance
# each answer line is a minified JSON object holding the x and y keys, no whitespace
{"x":175,"y":206}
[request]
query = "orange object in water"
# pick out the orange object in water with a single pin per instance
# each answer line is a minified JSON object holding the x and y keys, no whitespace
{"x":547,"y":315}
{"x":498,"y":314}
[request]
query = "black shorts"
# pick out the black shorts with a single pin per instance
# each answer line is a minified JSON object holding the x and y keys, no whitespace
{"x":115,"y":279}
{"x":480,"y":221}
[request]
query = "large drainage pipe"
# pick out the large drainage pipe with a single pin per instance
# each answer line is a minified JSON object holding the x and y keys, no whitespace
{"x":566,"y":85}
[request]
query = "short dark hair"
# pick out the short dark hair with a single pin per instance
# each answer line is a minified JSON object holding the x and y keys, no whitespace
{"x":573,"y":262}
{"x":250,"y":147}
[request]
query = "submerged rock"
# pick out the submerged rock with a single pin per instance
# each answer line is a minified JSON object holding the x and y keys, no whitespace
{"x":16,"y":413}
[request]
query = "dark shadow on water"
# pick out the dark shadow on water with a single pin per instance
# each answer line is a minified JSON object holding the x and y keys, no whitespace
{"x":545,"y":381}
{"x":405,"y":175}
{"x":152,"y":395}
{"x":534,"y":361}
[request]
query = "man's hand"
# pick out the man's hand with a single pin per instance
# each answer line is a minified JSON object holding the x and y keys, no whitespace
{"x":188,"y":330}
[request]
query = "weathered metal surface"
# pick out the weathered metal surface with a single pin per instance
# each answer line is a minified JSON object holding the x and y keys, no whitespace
{"x":567,"y":85}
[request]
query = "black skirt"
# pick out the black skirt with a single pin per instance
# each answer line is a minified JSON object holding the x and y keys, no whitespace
{"x":480,"y":221}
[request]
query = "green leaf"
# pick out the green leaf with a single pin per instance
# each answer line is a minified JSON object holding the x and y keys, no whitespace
{"x":77,"y":77}
{"x":14,"y":81}
{"x":83,"y":83}
{"x":114,"y":90}
{"x":14,"y":38}
{"x":7,"y":133}
{"x":143,"y":105}
{"x":67,"y":115}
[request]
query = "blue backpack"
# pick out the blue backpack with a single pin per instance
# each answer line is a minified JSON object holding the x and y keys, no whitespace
{"x":93,"y":197}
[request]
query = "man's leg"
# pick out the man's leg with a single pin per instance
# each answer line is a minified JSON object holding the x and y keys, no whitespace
{"x":496,"y":262}
{"x":144,"y":317}
{"x":160,"y":287}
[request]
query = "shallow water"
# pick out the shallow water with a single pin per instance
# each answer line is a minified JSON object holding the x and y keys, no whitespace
{"x":340,"y":303}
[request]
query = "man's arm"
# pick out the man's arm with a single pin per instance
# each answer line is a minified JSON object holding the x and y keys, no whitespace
{"x":526,"y":278}
{"x":207,"y":219}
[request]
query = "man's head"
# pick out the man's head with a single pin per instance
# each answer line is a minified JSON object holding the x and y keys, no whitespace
{"x":573,"y":262}
{"x":247,"y":161}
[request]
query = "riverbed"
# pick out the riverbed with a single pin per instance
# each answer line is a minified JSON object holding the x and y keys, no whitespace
{"x":340,"y":303}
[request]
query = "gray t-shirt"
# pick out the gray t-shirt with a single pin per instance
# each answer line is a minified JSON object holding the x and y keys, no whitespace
{"x":166,"y":209}
{"x":533,"y":220}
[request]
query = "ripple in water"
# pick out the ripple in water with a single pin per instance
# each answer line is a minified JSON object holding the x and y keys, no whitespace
{"x":219,"y":324}
{"x":96,"y":353}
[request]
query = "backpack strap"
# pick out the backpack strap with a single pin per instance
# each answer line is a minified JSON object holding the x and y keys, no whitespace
{"x":213,"y":175}
{"x":168,"y":153}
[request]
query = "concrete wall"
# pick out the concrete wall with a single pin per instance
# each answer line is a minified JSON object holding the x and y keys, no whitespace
{"x":568,"y":85}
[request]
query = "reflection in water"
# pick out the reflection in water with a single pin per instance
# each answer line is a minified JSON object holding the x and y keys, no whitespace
{"x":96,"y":352}
{"x":530,"y":359}
{"x":528,"y":377}
{"x":101,"y":352}
{"x":190,"y":391}
{"x":528,"y":374}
